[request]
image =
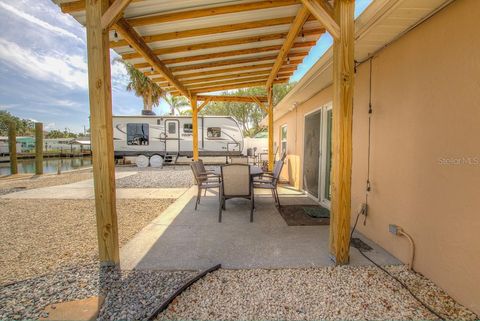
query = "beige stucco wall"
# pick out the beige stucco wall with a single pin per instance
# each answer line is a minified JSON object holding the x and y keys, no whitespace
{"x":426,"y":101}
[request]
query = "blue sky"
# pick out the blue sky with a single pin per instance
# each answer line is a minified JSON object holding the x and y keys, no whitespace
{"x":43,"y":66}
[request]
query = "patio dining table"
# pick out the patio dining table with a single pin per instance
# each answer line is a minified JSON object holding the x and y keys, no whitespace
{"x":254,"y":171}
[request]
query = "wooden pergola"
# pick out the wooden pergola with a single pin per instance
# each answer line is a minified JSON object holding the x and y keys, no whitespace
{"x":193,"y":48}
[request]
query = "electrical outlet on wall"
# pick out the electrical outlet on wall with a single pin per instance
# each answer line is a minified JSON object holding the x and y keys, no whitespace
{"x":392,"y":228}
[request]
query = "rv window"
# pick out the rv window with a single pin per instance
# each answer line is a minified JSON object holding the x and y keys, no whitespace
{"x":214,"y":132}
{"x":172,"y":128}
{"x":187,"y":128}
{"x":137,"y":134}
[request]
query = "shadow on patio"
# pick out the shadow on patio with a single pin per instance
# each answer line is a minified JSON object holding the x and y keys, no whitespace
{"x":184,"y":239}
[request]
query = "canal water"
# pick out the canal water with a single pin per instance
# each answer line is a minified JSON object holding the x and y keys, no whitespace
{"x":50,"y":165}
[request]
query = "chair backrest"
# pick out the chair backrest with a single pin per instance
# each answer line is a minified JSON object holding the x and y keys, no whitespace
{"x":236,"y":180}
{"x":284,"y":155}
{"x":197,"y":173}
{"x":201,"y":166}
{"x":277,"y":169}
{"x":238,"y":160}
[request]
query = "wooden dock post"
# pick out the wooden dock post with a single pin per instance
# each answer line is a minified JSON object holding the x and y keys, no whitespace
{"x":38,"y":148}
{"x":12,"y":147}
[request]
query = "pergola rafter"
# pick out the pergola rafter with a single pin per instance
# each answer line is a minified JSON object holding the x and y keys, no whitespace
{"x":228,"y":42}
{"x":228,"y":62}
{"x":233,"y":71}
{"x":269,"y":40}
{"x":136,"y":42}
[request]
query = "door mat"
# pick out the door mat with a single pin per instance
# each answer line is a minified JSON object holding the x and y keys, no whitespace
{"x":304,"y":215}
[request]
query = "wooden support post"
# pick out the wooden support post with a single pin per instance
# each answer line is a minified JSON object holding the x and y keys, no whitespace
{"x":12,"y":147}
{"x":38,"y":148}
{"x":99,"y":81}
{"x":271,"y":155}
{"x":193,"y":101}
{"x":343,"y":87}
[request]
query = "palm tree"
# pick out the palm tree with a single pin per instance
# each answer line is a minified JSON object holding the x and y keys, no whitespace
{"x":176,"y":102}
{"x":143,"y":86}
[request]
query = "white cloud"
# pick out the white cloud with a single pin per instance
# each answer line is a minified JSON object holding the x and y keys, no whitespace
{"x":70,"y":71}
{"x":39,"y":22}
{"x":49,"y":126}
{"x":7,"y":106}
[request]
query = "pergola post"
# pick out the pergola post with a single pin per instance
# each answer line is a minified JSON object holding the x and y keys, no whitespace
{"x":193,"y":102}
{"x":12,"y":147}
{"x":271,"y":155}
{"x":343,"y":88}
{"x":38,"y":148}
{"x":99,"y":80}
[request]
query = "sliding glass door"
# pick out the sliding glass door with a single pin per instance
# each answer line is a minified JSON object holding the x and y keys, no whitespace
{"x":318,"y":154}
{"x":311,"y":157}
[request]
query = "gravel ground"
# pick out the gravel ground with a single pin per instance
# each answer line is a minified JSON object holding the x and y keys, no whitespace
{"x":42,"y":235}
{"x":168,"y":176}
{"x":341,"y":293}
{"x":10,"y":185}
{"x":129,"y":295}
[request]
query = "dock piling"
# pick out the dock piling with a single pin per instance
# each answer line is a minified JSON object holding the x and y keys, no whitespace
{"x":38,"y":148}
{"x":12,"y":147}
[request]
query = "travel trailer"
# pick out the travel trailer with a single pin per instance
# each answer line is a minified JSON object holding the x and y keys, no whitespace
{"x":171,"y":136}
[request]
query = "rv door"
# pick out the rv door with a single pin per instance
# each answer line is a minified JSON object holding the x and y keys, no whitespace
{"x":172,"y":135}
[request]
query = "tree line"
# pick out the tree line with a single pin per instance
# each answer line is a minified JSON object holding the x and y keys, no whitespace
{"x":26,"y":127}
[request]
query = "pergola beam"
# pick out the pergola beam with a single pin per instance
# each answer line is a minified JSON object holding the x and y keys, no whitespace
{"x":323,"y":12}
{"x":77,"y":6}
{"x":114,"y":13}
{"x":295,"y":28}
{"x":221,"y":63}
{"x":213,"y":30}
{"x":260,"y":104}
{"x":234,"y":81}
{"x":343,"y":89}
{"x":136,"y":41}
{"x":208,"y":12}
{"x":226,"y":74}
{"x":233,"y":53}
{"x":205,"y":103}
{"x":235,"y":86}
{"x":242,"y":99}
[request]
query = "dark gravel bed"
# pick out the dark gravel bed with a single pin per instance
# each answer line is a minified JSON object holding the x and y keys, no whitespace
{"x":129,"y":295}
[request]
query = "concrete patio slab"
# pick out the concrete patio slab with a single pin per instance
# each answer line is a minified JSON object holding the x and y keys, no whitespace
{"x":185,"y":239}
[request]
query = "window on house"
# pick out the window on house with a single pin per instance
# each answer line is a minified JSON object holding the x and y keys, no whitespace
{"x":214,"y":132}
{"x":137,"y":134}
{"x":283,"y":139}
{"x":187,"y":128}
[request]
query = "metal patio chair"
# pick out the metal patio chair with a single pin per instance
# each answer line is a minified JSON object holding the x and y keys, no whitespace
{"x":270,"y":181}
{"x":236,"y":182}
{"x":209,"y":172}
{"x":204,"y":180}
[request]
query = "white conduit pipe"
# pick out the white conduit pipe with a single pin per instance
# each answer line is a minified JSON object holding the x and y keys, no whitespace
{"x":412,"y":246}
